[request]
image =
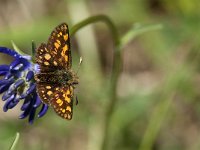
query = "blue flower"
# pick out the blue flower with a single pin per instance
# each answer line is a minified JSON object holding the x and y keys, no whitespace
{"x":17,"y":84}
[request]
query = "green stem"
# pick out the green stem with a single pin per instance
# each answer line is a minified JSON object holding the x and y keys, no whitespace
{"x":33,"y":47}
{"x":97,"y":18}
{"x":117,"y":61}
{"x":14,"y":142}
{"x":137,"y":30}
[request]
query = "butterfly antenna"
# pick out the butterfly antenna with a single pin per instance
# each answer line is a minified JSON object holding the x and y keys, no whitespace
{"x":80,"y":62}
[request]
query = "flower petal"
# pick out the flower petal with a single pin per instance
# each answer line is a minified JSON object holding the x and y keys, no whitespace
{"x":8,"y":101}
{"x":8,"y":75}
{"x":31,"y":89}
{"x":3,"y":88}
{"x":14,"y":86}
{"x":29,"y":76}
{"x":26,"y":103}
{"x":3,"y":81}
{"x":4,"y":67}
{"x":25,"y":113}
{"x":13,"y":103}
{"x":6,"y":96}
{"x":9,"y":52}
{"x":43,"y":110}
{"x":19,"y":67}
{"x":14,"y":63}
{"x":18,"y":83}
{"x":37,"y":102}
{"x":3,"y":73}
{"x":32,"y":115}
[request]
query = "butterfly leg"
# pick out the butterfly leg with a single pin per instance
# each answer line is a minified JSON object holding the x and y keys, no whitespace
{"x":76,"y":100}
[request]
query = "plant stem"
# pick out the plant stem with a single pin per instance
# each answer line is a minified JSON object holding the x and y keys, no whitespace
{"x":14,"y":142}
{"x":117,"y":62}
{"x":97,"y":18}
{"x":136,"y":30}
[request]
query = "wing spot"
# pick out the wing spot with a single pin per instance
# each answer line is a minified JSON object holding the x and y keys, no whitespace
{"x":58,"y":42}
{"x":65,"y":48}
{"x":56,"y":45}
{"x":49,"y":93}
{"x":69,"y":108}
{"x":65,"y":37}
{"x":69,"y":116}
{"x":47,"y":56}
{"x":46,"y":63}
{"x":68,"y":92}
{"x":63,"y":110}
{"x":55,"y":50}
{"x":48,"y":87}
{"x":67,"y":99}
{"x":55,"y":63}
{"x":58,"y":101}
{"x":65,"y":115}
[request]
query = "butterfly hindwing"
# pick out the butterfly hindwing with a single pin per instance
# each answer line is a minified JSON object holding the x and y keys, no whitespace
{"x":46,"y":91}
{"x":62,"y":102}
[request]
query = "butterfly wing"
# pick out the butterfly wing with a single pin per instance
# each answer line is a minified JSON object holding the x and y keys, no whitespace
{"x":60,"y":98}
{"x":56,"y":54}
{"x":45,"y":92}
{"x":59,"y":45}
{"x":62,"y":102}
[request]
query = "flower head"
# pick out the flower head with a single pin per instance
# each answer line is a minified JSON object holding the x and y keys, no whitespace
{"x":17,"y":84}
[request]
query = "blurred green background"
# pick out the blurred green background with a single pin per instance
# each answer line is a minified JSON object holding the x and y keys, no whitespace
{"x":158,"y":104}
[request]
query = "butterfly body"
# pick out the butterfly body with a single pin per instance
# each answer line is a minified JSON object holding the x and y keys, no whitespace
{"x":55,"y":80}
{"x":59,"y":77}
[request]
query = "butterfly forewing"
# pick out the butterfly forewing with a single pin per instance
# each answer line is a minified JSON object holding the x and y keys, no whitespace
{"x":56,"y":53}
{"x":59,"y":45}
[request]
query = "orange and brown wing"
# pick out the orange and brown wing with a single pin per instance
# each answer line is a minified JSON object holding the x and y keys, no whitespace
{"x":62,"y":102}
{"x":44,"y":58}
{"x":56,"y":53}
{"x":59,"y":45}
{"x":46,"y":91}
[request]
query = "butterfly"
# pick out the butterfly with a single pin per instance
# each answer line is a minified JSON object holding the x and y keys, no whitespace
{"x":55,"y":81}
